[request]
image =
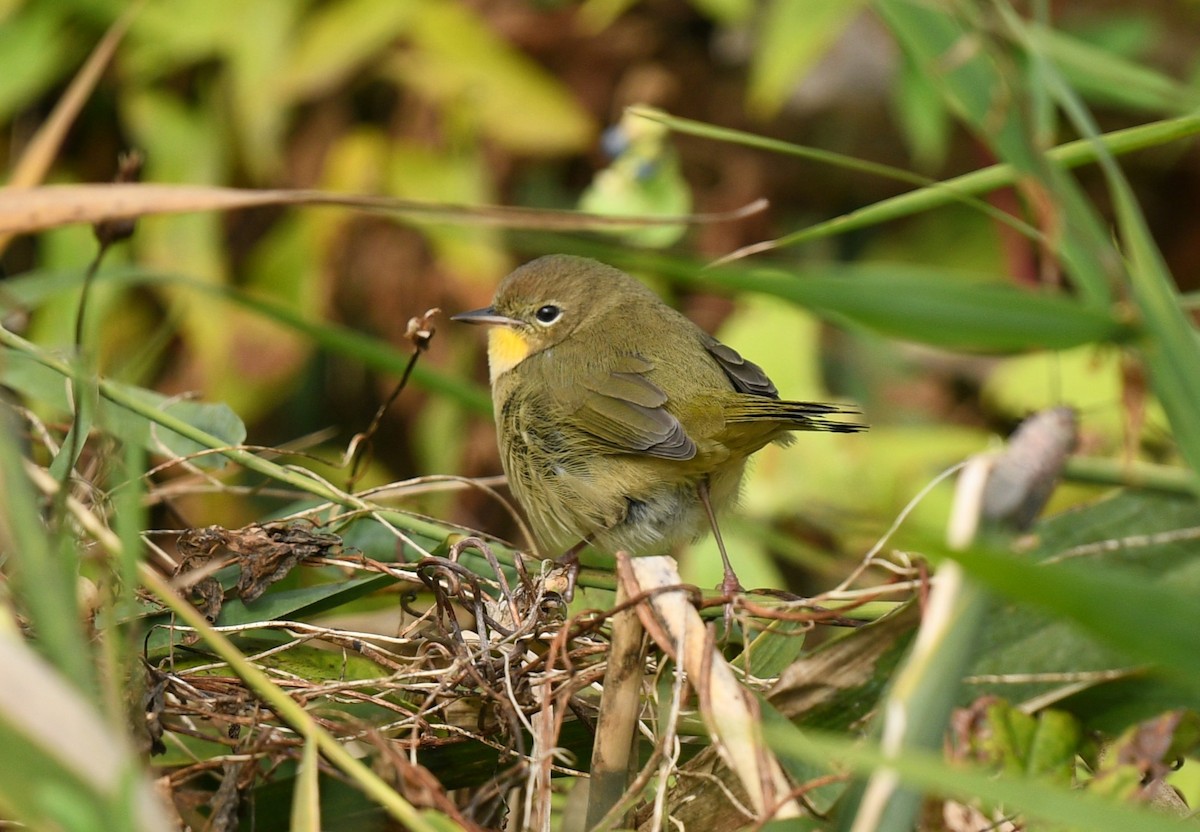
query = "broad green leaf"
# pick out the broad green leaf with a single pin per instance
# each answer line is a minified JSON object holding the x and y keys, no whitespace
{"x":317,"y":664}
{"x":1017,"y":743}
{"x":1131,"y":531}
{"x":302,"y":603}
{"x":214,"y":419}
{"x":35,"y":50}
{"x":48,"y":387}
{"x":337,"y":38}
{"x":793,"y":36}
{"x":773,"y":649}
{"x":1113,"y":605}
{"x":458,"y":61}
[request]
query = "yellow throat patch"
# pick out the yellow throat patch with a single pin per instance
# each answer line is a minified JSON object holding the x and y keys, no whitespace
{"x":506,"y":349}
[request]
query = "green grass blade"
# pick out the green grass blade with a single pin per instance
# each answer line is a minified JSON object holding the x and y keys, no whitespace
{"x":1032,"y":797}
{"x":1171,"y":347}
{"x":925,"y":305}
{"x":34,"y":288}
{"x":306,"y":801}
{"x":957,"y":55}
{"x":63,"y":766}
{"x":1102,"y":75}
{"x":44,"y":566}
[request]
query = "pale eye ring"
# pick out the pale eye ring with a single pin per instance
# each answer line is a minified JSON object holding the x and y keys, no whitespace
{"x":548,"y":314}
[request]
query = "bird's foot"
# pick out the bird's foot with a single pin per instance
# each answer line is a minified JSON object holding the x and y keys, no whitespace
{"x":730,"y":588}
{"x":570,"y":561}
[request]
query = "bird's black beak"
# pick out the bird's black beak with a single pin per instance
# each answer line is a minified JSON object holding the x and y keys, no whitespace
{"x":487,"y":315}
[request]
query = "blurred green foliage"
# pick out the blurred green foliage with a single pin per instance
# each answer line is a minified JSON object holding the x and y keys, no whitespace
{"x":286,"y":326}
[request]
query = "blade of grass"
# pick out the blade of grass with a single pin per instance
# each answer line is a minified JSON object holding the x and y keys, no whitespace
{"x":290,"y":711}
{"x":957,"y":54}
{"x":958,"y":189}
{"x":947,"y":190}
{"x":1102,"y":74}
{"x":32,"y":289}
{"x":918,"y":705}
{"x":1071,"y":809}
{"x":931,"y":306}
{"x":1172,"y":349}
{"x":64,"y":768}
{"x":306,"y":800}
{"x":44,"y":566}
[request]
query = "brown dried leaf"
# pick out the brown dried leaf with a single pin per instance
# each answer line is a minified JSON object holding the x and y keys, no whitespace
{"x":26,"y":210}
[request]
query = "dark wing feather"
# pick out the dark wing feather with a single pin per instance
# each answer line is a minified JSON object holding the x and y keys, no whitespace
{"x":746,"y":376}
{"x":626,"y":412}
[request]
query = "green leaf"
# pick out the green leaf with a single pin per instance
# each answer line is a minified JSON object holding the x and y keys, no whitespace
{"x":1101,"y":75}
{"x":1133,"y":532}
{"x":214,"y":419}
{"x":46,"y":386}
{"x":1015,"y":742}
{"x":457,"y":60}
{"x":933,"y":307}
{"x":924,"y":771}
{"x":792,"y":38}
{"x":976,"y":81}
{"x":34,"y":50}
{"x":339,"y":37}
{"x":302,"y":603}
{"x":1113,"y":605}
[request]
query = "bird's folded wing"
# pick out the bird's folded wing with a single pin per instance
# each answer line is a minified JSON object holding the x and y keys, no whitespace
{"x":746,"y":376}
{"x":625,"y":413}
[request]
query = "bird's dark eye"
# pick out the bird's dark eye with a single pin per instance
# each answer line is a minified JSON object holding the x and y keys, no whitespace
{"x":548,"y":314}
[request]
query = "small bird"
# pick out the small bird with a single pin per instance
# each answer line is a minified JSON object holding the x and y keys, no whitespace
{"x":621,"y":423}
